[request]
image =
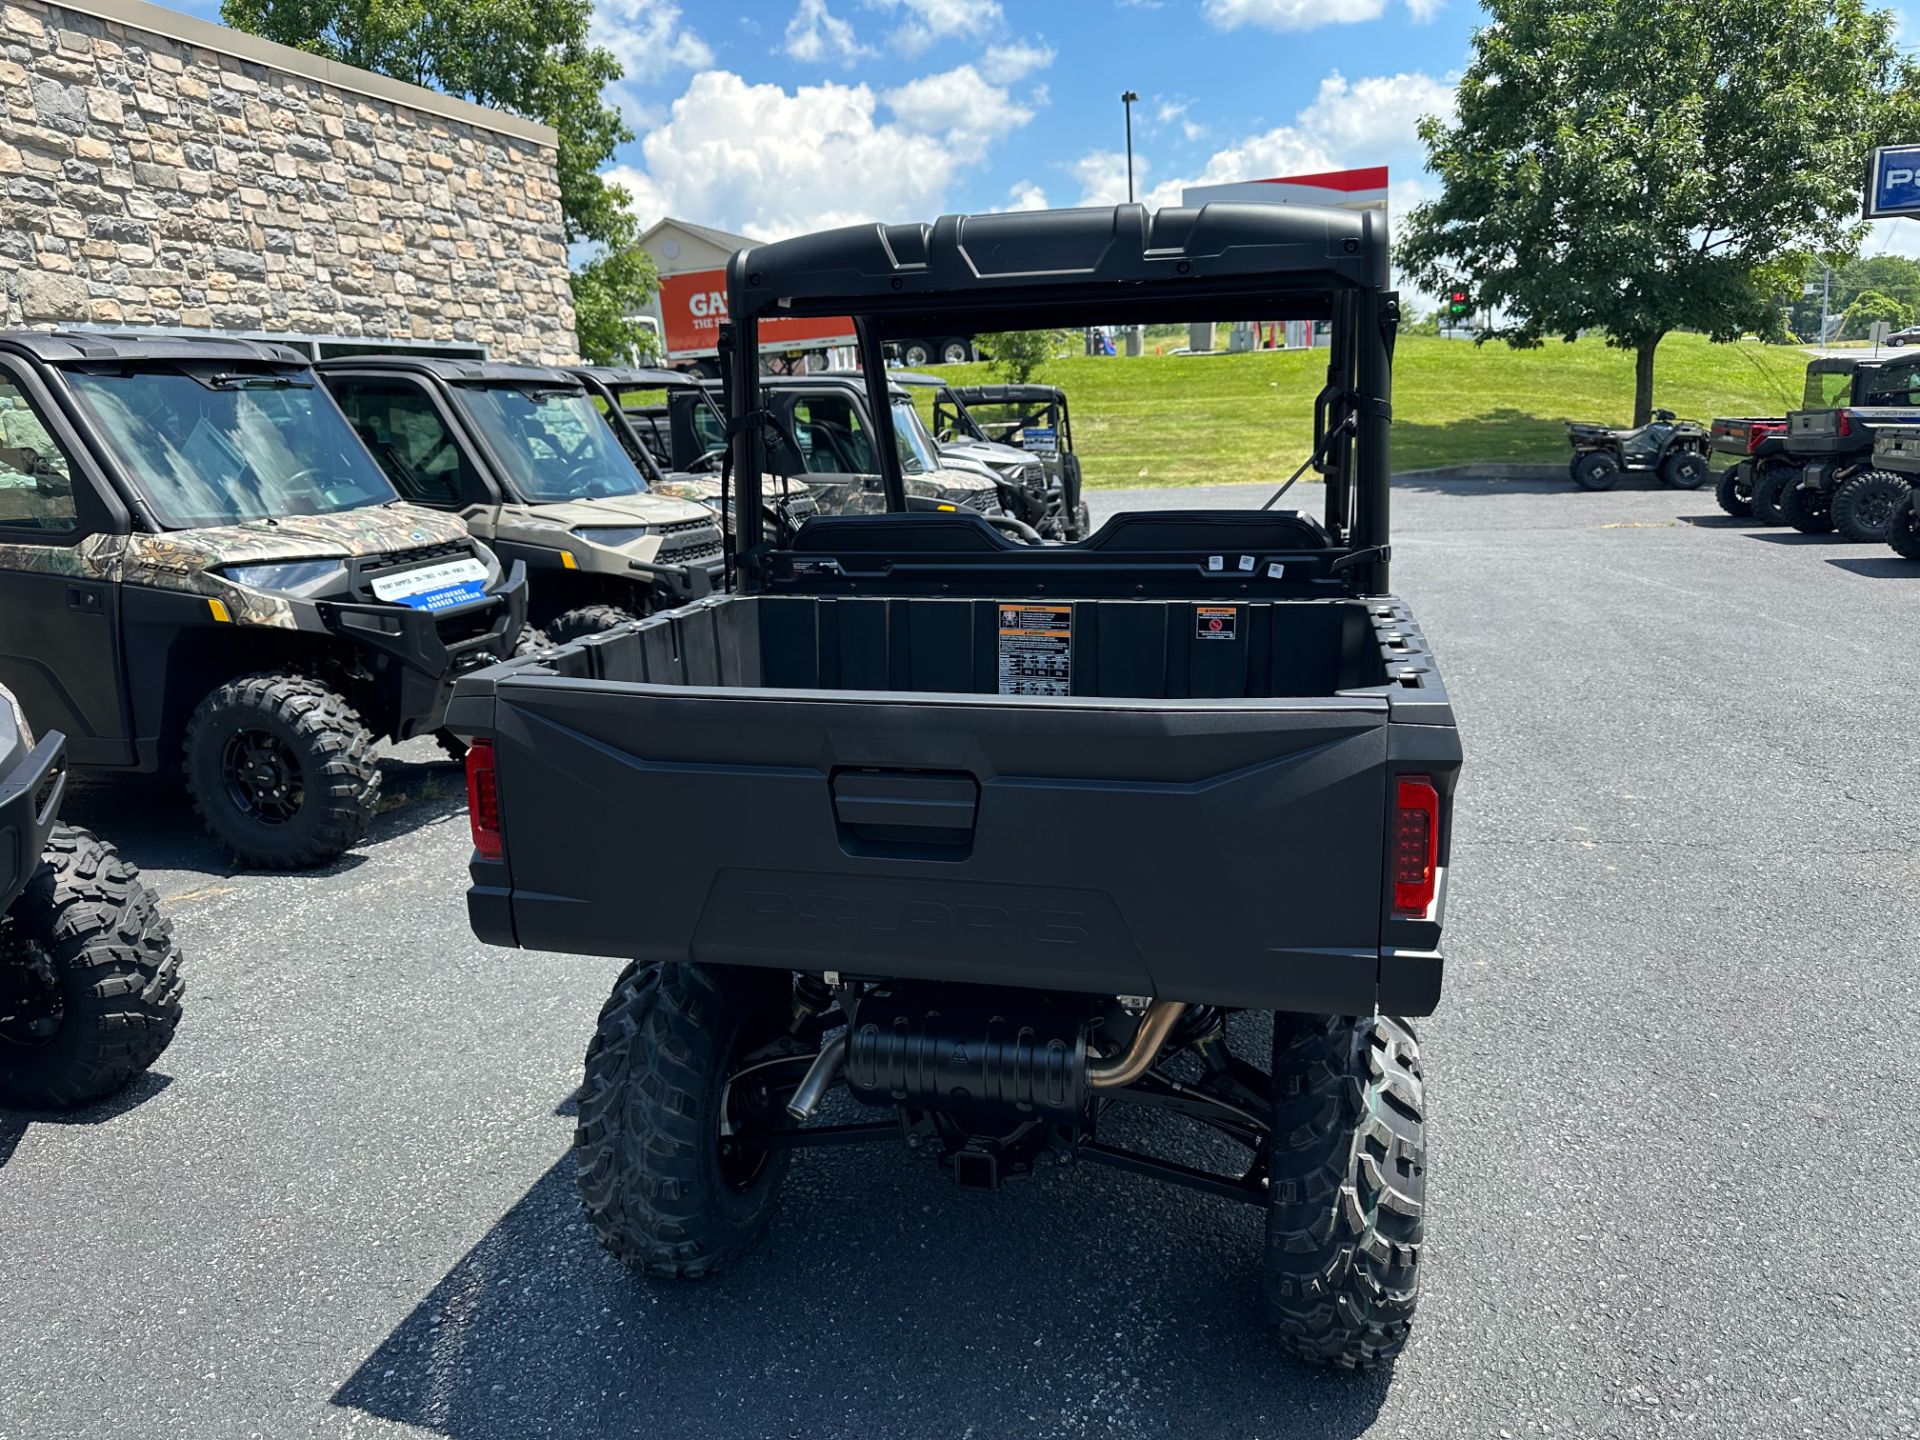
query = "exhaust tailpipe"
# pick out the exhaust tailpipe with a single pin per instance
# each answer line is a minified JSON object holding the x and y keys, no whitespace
{"x":1138,"y":1058}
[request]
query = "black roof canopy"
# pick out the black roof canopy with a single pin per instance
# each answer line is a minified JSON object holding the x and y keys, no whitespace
{"x":456,"y":371}
{"x":1030,"y":270}
{"x":82,"y":347}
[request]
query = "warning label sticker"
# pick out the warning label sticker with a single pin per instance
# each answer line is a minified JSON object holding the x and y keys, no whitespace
{"x":1214,"y":622}
{"x":1036,"y":649}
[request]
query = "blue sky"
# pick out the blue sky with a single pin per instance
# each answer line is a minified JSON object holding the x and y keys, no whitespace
{"x":772,"y":117}
{"x":776,"y":116}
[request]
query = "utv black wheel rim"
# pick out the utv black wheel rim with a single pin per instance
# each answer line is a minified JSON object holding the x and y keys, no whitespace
{"x":1875,"y":509}
{"x":31,"y":1006}
{"x":262,"y":777}
{"x":752,"y":1107}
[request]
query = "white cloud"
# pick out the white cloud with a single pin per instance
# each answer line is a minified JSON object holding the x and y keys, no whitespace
{"x":771,"y":163}
{"x":1307,"y":14}
{"x":928,"y":22}
{"x":1025,"y":195}
{"x":1348,"y":122}
{"x":815,"y":33}
{"x":1375,"y":117}
{"x":649,"y":41}
{"x":957,"y":104}
{"x":1008,"y":63}
{"x":1174,"y":113}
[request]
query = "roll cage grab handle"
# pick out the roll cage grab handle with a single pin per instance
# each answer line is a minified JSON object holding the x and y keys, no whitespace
{"x":1352,"y":416}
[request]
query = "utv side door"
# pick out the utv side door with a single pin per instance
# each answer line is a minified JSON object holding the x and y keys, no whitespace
{"x":60,"y":640}
{"x":414,"y":439}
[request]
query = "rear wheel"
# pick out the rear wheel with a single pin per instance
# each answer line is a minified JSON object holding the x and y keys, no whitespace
{"x":587,"y":620}
{"x":281,"y":769}
{"x":1903,"y":526}
{"x":1808,"y":511}
{"x":1596,"y":470}
{"x":1863,"y":507}
{"x":1685,"y":470}
{"x":1347,"y":1187}
{"x":672,"y":1162}
{"x":1768,"y":489}
{"x":90,"y":982}
{"x":1734,"y":490}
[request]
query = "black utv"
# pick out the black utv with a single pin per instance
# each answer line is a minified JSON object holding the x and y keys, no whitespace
{"x":1677,"y":451}
{"x":204,"y":575}
{"x":1030,"y":417}
{"x":1829,"y":481}
{"x":90,"y":982}
{"x":1010,"y":838}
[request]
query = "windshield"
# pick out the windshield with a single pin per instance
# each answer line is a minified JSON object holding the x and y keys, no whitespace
{"x":554,"y":444}
{"x":1827,"y":389}
{"x":917,"y":454}
{"x":207,"y":448}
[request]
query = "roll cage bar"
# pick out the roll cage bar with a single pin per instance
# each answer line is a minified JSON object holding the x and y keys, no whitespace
{"x":1069,"y":268}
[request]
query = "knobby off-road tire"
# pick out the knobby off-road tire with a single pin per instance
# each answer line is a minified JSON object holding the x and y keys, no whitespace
{"x":1595,"y":470}
{"x":106,"y":984}
{"x":663,"y":1190}
{"x":1685,"y":470}
{"x":1768,"y":485}
{"x":1863,"y":507}
{"x":1808,"y":511}
{"x":1347,"y":1199}
{"x":1903,"y":527}
{"x":1734,"y":490}
{"x":320,"y":742}
{"x":587,"y":620}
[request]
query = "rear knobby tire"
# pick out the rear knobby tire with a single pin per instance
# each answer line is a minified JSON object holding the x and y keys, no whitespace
{"x":329,"y":757}
{"x":1903,"y":527}
{"x":661,"y":1188}
{"x":587,"y":620}
{"x":92,"y":931}
{"x":1768,"y":487}
{"x":1863,"y":507}
{"x":1734,"y":490}
{"x":1808,"y":511}
{"x":1596,"y":470}
{"x":1347,"y":1177}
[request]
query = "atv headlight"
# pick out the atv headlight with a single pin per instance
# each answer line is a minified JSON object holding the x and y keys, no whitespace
{"x":614,"y":536}
{"x":297,"y":577}
{"x":8,"y":703}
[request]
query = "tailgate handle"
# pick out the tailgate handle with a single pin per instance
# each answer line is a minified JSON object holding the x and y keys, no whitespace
{"x":906,"y":807}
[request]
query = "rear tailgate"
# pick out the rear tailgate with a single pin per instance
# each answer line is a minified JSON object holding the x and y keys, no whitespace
{"x":1201,"y":851}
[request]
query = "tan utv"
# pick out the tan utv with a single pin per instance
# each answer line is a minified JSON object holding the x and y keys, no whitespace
{"x":522,"y":455}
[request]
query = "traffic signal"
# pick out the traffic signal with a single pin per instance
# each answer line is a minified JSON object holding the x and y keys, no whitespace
{"x":1457,"y":301}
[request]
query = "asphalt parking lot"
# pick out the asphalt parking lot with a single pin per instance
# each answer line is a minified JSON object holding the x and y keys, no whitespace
{"x":1672,"y":1081}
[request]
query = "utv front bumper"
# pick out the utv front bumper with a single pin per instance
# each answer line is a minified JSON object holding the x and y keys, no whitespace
{"x":427,"y":651}
{"x":30,"y":794}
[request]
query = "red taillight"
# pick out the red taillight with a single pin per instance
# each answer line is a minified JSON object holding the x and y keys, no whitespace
{"x":1844,"y":421}
{"x":483,"y":800}
{"x":1416,"y":845}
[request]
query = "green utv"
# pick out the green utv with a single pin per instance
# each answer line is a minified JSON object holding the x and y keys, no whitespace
{"x":522,"y":454}
{"x":204,"y":575}
{"x":90,"y":982}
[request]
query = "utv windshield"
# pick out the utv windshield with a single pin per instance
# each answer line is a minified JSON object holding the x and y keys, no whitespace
{"x":1828,"y":389}
{"x":210,"y":447}
{"x":554,"y":444}
{"x":917,"y":453}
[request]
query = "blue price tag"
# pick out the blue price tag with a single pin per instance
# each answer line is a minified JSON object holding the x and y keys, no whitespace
{"x":1894,"y":187}
{"x":447,"y":599}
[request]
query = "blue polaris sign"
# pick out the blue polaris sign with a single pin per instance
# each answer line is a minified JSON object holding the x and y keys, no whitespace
{"x":1893,"y":185}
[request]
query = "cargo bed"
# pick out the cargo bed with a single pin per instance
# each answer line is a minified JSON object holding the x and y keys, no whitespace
{"x":839,"y":783}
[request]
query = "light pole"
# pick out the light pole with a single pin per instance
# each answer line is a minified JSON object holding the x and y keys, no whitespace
{"x":1127,"y":97}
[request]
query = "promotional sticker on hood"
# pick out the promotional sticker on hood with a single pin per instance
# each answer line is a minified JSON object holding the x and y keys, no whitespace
{"x":435,"y":587}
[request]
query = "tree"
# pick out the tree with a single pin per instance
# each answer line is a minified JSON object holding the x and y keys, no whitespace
{"x":1019,"y":353}
{"x":530,"y":57}
{"x":1637,"y":169}
{"x":1870,"y":306}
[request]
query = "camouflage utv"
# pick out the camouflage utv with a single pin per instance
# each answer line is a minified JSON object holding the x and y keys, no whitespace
{"x":204,"y":575}
{"x":521,"y":453}
{"x":89,"y":975}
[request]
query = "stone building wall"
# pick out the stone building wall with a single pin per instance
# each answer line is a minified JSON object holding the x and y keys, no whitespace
{"x":156,"y":170}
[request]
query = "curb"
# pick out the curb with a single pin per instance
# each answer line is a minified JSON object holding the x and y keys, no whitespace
{"x":1536,"y":470}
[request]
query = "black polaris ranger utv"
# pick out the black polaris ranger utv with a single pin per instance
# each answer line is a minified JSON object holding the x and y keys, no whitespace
{"x":1829,"y":482}
{"x":90,"y":982}
{"x":1010,"y":832}
{"x":204,"y":574}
